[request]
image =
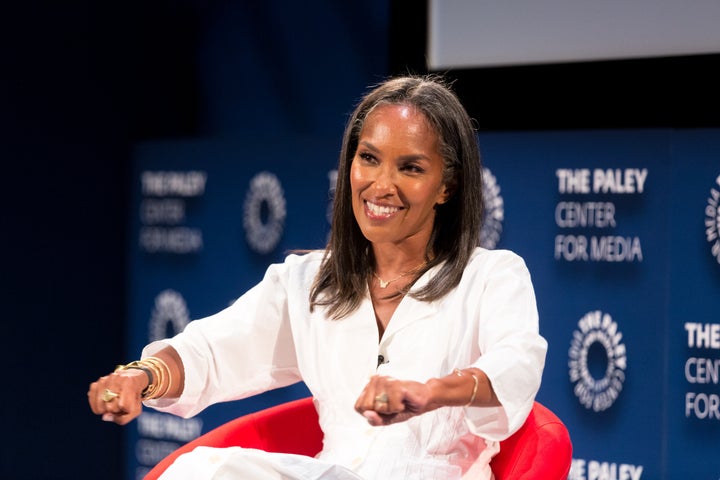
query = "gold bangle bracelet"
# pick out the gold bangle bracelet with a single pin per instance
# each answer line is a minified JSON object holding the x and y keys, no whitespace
{"x":152,"y":392}
{"x":151,"y":373}
{"x":460,"y":373}
{"x":163,"y":387}
{"x":158,"y":372}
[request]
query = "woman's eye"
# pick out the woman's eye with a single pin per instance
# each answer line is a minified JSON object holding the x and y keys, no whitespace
{"x":412,"y":168}
{"x":366,"y":157}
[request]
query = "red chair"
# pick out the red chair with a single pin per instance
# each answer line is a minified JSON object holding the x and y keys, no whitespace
{"x":541,"y":449}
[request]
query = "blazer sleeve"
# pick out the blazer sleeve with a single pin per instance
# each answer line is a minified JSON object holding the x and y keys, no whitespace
{"x":244,"y":350}
{"x":512,"y":350}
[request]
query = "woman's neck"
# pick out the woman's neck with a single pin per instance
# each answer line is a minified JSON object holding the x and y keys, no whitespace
{"x":392,"y":260}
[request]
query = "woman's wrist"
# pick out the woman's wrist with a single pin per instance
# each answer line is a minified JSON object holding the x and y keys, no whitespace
{"x":459,"y":389}
{"x":158,"y":374}
{"x":476,"y":382}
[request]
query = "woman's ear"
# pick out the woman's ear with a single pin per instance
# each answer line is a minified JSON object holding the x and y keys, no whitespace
{"x":443,"y":195}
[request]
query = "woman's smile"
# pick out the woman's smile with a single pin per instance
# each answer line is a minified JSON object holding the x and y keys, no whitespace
{"x":380,"y":212}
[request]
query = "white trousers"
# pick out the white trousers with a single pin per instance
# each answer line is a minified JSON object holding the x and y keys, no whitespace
{"x":236,"y":463}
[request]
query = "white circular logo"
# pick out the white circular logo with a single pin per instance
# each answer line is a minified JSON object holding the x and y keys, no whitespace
{"x":597,"y":361}
{"x":170,"y":309}
{"x":493,"y":211}
{"x":712,"y":220}
{"x":264,"y":212}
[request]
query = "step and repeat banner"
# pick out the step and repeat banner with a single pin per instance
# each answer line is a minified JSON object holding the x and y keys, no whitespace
{"x":619,"y":230}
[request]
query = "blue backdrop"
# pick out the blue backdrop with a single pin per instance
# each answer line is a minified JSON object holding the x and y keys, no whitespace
{"x":618,"y":228}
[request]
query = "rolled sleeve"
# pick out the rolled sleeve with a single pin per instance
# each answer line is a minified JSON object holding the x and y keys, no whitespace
{"x":246,"y":349}
{"x":512,"y":350}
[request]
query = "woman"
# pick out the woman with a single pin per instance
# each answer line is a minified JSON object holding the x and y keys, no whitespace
{"x":421,"y":349}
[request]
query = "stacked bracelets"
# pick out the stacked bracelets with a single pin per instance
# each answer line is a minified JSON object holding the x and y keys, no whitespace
{"x":460,"y":373}
{"x":158,"y":373}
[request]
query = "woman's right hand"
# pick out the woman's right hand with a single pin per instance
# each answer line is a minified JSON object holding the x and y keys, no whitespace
{"x":117,"y":396}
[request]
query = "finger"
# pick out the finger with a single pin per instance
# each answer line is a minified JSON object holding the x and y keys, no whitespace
{"x":120,"y":410}
{"x":113,"y":405}
{"x":381,"y":403}
{"x":105,"y":396}
{"x":379,"y":419}
{"x":389,"y":396}
{"x":123,"y":418}
{"x":95,"y":393}
{"x":360,"y":403}
{"x":130,"y":404}
{"x":373,"y":418}
{"x":119,"y":418}
{"x":91,"y":394}
{"x":127,"y":399}
{"x":366,"y":399}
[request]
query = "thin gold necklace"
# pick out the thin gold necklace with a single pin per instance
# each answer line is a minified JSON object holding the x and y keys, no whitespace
{"x":385,"y":283}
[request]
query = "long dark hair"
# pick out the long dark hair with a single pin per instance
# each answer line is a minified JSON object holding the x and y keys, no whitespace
{"x":341,"y":282}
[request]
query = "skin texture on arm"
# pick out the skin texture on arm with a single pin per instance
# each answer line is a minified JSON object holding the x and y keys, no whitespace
{"x":386,"y":400}
{"x":117,"y":397}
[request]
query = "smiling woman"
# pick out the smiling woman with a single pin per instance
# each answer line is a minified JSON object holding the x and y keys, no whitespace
{"x":430,"y":347}
{"x":426,"y":122}
{"x":396,"y":181}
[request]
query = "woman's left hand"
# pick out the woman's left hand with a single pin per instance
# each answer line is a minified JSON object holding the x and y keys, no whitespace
{"x":386,"y":400}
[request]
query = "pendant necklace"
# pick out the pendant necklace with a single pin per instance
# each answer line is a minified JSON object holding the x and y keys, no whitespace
{"x":385,"y":283}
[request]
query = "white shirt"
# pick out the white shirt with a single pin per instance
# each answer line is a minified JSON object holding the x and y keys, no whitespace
{"x":268,"y":338}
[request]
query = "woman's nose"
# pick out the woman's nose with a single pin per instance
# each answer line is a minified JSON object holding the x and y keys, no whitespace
{"x":384,"y":181}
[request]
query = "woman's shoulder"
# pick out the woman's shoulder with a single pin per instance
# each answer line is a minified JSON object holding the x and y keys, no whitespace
{"x":303,"y":264}
{"x":304,"y":258}
{"x":491,"y":267}
{"x":484,"y":254}
{"x":482,"y":259}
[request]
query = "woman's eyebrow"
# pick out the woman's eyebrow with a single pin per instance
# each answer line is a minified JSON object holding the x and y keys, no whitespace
{"x":408,"y":157}
{"x":369,"y":145}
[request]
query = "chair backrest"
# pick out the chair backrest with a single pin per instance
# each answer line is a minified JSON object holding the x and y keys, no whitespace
{"x":541,"y":449}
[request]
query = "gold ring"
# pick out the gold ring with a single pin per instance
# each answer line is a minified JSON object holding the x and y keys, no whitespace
{"x":108,"y":395}
{"x":382,"y":398}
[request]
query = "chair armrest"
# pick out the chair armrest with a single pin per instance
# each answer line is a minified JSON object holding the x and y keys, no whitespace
{"x":290,"y":427}
{"x":540,"y":449}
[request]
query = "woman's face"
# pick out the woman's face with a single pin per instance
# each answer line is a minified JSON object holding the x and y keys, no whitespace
{"x":396,"y":177}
